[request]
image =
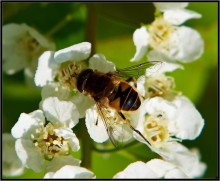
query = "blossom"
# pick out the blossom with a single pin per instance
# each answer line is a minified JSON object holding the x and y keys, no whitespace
{"x":66,"y":90}
{"x":165,"y":35}
{"x":27,"y":45}
{"x":158,"y":168}
{"x":188,"y":160}
{"x":156,"y":83}
{"x":62,"y":64}
{"x":161,"y":120}
{"x":155,"y":168}
{"x":11,"y":165}
{"x":38,"y":140}
{"x":163,"y":123}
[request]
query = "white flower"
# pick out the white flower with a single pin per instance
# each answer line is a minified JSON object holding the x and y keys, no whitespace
{"x":156,"y":83}
{"x":60,"y":113}
{"x":165,"y":35}
{"x":63,"y":92}
{"x":62,"y":64}
{"x":37,"y":140}
{"x":179,"y":163}
{"x":187,"y":160}
{"x":68,"y":171}
{"x":22,"y":45}
{"x":160,"y":120}
{"x":163,"y":123}
{"x":11,"y":165}
{"x":154,"y":168}
{"x":175,"y":13}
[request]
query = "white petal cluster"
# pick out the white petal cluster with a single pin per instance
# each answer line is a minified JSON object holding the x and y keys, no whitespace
{"x":165,"y":117}
{"x":43,"y":135}
{"x":22,"y":45}
{"x":162,"y":121}
{"x":157,"y":168}
{"x":166,"y":35}
{"x":156,"y":83}
{"x":51,"y":62}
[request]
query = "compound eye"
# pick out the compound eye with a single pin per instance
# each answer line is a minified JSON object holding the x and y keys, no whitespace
{"x":82,"y":78}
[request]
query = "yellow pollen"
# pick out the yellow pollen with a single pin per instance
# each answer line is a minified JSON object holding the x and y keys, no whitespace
{"x":49,"y":143}
{"x":156,"y":130}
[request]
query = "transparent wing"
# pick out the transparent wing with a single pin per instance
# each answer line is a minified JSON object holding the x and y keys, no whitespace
{"x":118,"y":129}
{"x":138,"y":70}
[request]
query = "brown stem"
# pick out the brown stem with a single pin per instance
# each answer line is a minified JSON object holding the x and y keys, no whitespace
{"x":90,"y":36}
{"x":86,"y":146}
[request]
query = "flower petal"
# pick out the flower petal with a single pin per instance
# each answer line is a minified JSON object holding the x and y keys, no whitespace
{"x":177,"y":17}
{"x":175,"y":174}
{"x":55,"y":89}
{"x":12,"y":35}
{"x":27,"y":124}
{"x":39,"y":38}
{"x":160,"y":167}
{"x":137,"y":170}
{"x":68,"y":134}
{"x":189,"y":122}
{"x":141,"y":41}
{"x":46,"y":69}
{"x":76,"y":52}
{"x":30,"y":156}
{"x":179,"y":155}
{"x":199,"y":167}
{"x":70,"y":172}
{"x":158,"y":104}
{"x":186,"y":44}
{"x":97,"y":132}
{"x":140,"y":85}
{"x":165,"y":169}
{"x":99,"y":62}
{"x":11,"y":164}
{"x":60,"y":161}
{"x":61,"y":113}
{"x":83,"y":103}
{"x":164,"y":6}
{"x":164,"y":64}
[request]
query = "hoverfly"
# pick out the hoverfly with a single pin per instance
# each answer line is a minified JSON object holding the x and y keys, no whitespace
{"x":112,"y":91}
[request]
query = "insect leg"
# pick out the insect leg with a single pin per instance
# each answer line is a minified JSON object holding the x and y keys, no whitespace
{"x":137,"y":131}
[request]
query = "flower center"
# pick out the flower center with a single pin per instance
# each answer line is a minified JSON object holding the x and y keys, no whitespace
{"x":162,"y":86}
{"x":155,"y":129}
{"x":160,"y":32}
{"x":69,"y":72}
{"x":33,"y":46}
{"x":49,"y":143}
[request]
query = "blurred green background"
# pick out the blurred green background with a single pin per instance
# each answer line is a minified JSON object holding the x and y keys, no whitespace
{"x":110,"y":26}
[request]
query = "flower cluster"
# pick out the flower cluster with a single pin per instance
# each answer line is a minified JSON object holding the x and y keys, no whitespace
{"x":27,"y":45}
{"x":44,"y":138}
{"x":167,"y":36}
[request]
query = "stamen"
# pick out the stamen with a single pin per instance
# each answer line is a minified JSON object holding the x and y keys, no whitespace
{"x":156,"y":130}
